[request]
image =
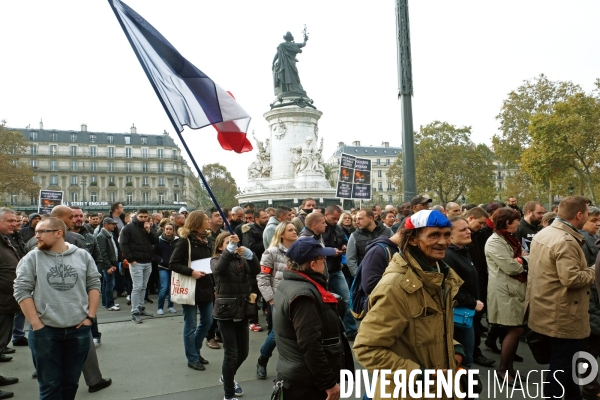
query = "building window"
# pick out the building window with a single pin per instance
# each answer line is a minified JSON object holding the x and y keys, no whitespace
{"x":145,"y":167}
{"x":176,"y":181}
{"x":127,"y":152}
{"x":175,"y":196}
{"x":32,"y":150}
{"x":129,"y":198}
{"x":128,"y":179}
{"x":174,"y":167}
{"x":13,"y":199}
{"x":73,"y":165}
{"x":34,"y":163}
{"x":161,"y":181}
{"x":73,"y":137}
{"x":379,"y":174}
{"x":378,"y":161}
{"x":111,"y":179}
{"x":174,"y":154}
{"x":112,"y":196}
{"x":32,"y":135}
{"x":145,"y":197}
{"x":33,"y":201}
{"x":55,"y":137}
{"x":93,"y":179}
{"x":73,"y":151}
{"x":53,"y":165}
{"x":74,"y":180}
{"x":93,"y":196}
{"x":380,"y":186}
{"x":144,"y":140}
{"x":110,"y":138}
{"x":161,"y":167}
{"x":387,"y":161}
{"x":111,"y":166}
{"x":54,"y":180}
{"x":159,"y":153}
{"x":161,"y":198}
{"x":74,"y":197}
{"x":92,"y":138}
{"x":390,"y":199}
{"x":53,"y":150}
{"x":159,"y":141}
{"x":111,"y":152}
{"x":128,"y":167}
{"x":390,"y":187}
{"x":93,"y":166}
{"x":144,"y":153}
{"x":127,"y":139}
{"x":92,"y":151}
{"x":145,"y":180}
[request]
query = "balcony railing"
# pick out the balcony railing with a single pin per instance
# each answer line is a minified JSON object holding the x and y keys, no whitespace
{"x":99,"y":154}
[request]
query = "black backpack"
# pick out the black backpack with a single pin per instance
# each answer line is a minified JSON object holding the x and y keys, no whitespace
{"x":359,"y":301}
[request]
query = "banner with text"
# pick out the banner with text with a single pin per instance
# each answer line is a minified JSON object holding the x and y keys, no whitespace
{"x":48,"y":200}
{"x":354,"y":180}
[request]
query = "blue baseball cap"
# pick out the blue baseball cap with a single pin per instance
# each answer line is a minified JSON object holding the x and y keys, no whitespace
{"x":307,"y":249}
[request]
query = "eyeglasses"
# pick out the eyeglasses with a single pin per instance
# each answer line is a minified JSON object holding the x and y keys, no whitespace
{"x":37,"y":233}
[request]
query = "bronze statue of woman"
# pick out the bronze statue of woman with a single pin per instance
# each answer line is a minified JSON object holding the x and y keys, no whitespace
{"x":285,"y":73}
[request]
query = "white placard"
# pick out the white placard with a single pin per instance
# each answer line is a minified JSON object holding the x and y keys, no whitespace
{"x":202,"y":265}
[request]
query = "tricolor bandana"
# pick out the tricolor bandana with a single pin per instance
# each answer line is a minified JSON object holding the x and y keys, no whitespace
{"x":427,"y":219}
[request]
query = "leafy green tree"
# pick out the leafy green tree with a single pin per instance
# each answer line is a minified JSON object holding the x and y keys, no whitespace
{"x":449,"y":165}
{"x":221,"y":183}
{"x":17,"y":176}
{"x":566,"y":140}
{"x":534,"y":96}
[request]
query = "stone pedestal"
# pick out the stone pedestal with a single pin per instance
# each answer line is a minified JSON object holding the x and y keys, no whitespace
{"x":293,"y":135}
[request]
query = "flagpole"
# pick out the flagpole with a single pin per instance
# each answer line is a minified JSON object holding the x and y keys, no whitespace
{"x":189,"y":153}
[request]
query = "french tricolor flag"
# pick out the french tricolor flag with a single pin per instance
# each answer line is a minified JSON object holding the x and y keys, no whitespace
{"x":189,"y":96}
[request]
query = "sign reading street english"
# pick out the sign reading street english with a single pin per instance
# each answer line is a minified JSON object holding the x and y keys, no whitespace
{"x":48,"y":200}
{"x":354,"y":180}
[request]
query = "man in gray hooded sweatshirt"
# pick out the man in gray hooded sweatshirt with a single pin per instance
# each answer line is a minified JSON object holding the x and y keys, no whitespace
{"x":58,"y":290}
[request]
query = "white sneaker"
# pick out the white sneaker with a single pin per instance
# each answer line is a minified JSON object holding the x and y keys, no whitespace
{"x":97,"y":343}
{"x":115,"y":308}
{"x":128,"y":297}
{"x":160,"y":311}
{"x":172,"y":310}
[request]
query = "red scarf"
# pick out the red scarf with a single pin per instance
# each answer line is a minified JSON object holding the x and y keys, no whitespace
{"x":489,"y":223}
{"x":511,"y":240}
{"x":325,"y":295}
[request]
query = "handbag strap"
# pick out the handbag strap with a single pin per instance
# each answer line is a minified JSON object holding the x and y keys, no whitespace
{"x":189,"y":254}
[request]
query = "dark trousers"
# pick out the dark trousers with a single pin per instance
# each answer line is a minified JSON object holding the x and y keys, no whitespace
{"x":236,"y":342}
{"x":559,"y":379}
{"x":58,"y":356}
{"x":592,"y":346}
{"x":213,"y":331}
{"x":6,"y":328}
{"x":254,"y":289}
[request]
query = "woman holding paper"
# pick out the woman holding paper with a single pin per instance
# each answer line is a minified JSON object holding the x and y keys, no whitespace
{"x":194,"y":246}
{"x":232,"y":267}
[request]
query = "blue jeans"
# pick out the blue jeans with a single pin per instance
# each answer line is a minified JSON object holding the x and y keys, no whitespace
{"x":338,"y":285}
{"x":269,"y":345}
{"x":18,"y":326}
{"x":164,"y":276}
{"x":193,"y":334}
{"x":140,"y":274}
{"x":107,"y":289}
{"x":236,"y":343}
{"x":58,"y":356}
{"x":466,"y":337}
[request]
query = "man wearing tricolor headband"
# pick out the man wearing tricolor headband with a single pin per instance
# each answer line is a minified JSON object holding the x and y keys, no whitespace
{"x":409,"y":325}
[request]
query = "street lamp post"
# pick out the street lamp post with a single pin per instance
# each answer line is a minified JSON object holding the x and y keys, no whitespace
{"x":83,"y":186}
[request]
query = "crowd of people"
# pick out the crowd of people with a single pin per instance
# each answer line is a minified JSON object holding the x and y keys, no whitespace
{"x":518,"y":269}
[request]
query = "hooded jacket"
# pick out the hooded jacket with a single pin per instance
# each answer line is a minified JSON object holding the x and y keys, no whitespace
{"x":375,"y":262}
{"x":269,"y":231}
{"x":27,"y":231}
{"x":409,"y":325}
{"x":136,"y":243}
{"x":58,"y":283}
{"x":357,"y":244}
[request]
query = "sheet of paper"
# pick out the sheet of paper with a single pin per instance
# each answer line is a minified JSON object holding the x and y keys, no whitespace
{"x":202,"y":265}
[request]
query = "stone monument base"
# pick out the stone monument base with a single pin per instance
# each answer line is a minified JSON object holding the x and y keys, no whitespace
{"x":263,"y":198}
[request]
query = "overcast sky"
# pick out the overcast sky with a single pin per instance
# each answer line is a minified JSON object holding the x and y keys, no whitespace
{"x":69,"y":62}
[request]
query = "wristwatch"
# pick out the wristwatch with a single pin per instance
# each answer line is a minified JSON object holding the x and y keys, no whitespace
{"x":93,"y":319}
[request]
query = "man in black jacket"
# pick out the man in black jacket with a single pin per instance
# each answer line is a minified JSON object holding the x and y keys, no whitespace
{"x":136,"y":241}
{"x":312,"y":348}
{"x":334,"y":237}
{"x":530,"y":224}
{"x":109,"y":250}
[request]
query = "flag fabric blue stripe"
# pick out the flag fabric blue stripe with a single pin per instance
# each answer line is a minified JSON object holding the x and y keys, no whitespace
{"x":189,"y":95}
